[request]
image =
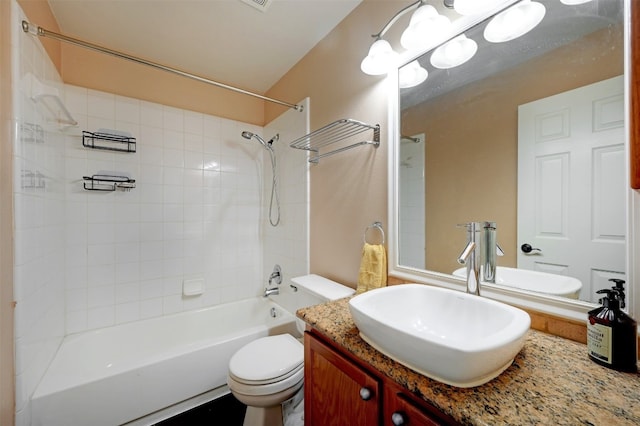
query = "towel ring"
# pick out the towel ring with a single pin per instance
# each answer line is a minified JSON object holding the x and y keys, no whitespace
{"x":378,"y":226}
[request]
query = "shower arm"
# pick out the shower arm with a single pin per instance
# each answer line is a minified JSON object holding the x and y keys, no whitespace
{"x":41,"y":32}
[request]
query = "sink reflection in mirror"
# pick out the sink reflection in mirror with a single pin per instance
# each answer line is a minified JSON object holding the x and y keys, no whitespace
{"x":453,"y":337}
{"x":539,"y":282}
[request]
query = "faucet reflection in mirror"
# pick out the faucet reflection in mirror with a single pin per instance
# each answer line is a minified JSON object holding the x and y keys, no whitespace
{"x":480,"y":255}
{"x":432,"y":24}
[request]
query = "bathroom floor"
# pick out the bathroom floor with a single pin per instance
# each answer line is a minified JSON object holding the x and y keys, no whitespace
{"x":224,"y":411}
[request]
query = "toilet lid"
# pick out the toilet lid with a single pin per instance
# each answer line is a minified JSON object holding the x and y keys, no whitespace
{"x":267,"y":359}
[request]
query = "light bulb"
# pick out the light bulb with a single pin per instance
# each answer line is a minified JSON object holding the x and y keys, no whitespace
{"x":453,"y":53}
{"x":475,"y":7}
{"x":518,"y":20}
{"x":411,"y":75}
{"x":452,"y":50}
{"x":426,"y":25}
{"x":574,"y":2}
{"x":380,"y":60}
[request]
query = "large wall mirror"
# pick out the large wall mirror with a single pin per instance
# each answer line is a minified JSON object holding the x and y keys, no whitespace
{"x":530,"y":134}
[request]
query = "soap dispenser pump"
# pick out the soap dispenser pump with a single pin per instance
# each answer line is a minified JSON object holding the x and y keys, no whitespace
{"x":612,"y":334}
{"x":619,"y":287}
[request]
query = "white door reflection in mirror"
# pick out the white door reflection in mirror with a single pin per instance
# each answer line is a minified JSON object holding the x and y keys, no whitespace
{"x":571,"y":185}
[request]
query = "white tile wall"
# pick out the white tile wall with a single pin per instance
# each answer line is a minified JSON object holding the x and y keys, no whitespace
{"x":194,"y":213}
{"x":87,"y":259}
{"x":39,"y":217}
{"x":288,"y":243}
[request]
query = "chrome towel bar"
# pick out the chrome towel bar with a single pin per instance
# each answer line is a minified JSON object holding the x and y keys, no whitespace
{"x":335,"y":132}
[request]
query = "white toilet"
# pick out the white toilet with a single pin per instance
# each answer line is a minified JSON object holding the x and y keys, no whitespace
{"x":269,"y":371}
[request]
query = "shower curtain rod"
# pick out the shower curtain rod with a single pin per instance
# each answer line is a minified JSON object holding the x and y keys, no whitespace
{"x":39,"y":31}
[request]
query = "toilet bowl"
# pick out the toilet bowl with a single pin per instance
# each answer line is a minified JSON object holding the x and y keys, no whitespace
{"x":265,"y":373}
{"x":269,"y":371}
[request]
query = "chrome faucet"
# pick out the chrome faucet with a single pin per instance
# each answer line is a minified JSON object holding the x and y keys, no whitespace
{"x":269,"y":291}
{"x":276,"y":276}
{"x":480,"y":254}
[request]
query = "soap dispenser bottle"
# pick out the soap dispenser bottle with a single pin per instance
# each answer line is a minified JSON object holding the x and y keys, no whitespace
{"x":611,"y":334}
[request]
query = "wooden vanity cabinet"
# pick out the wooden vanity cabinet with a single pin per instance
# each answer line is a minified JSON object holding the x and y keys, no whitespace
{"x":336,"y":391}
{"x":340,"y":390}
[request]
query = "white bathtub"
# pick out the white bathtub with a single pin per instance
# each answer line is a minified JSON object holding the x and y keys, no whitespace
{"x":119,"y":374}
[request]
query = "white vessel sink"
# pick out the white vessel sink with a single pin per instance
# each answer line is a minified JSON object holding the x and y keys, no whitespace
{"x":452,"y":337}
{"x":540,"y":282}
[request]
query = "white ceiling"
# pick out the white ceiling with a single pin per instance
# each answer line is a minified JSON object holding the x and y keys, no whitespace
{"x":224,"y":40}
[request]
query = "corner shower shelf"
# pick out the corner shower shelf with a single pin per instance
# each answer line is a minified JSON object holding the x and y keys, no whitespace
{"x":49,"y":98}
{"x":109,"y":141}
{"x":108,"y":183}
{"x":67,"y":118}
{"x":336,"y":132}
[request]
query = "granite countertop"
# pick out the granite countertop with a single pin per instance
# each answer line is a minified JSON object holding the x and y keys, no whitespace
{"x":552,"y":381}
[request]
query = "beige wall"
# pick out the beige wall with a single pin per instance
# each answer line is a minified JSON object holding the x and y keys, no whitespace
{"x":477,"y":126}
{"x":39,"y":13}
{"x":348,"y":190}
{"x":99,"y":71}
{"x":7,"y":399}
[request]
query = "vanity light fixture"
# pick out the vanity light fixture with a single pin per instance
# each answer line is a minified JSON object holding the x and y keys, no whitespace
{"x":425,"y":25}
{"x":381,"y":57}
{"x":453,"y":53}
{"x":474,"y":7}
{"x":411,"y":75}
{"x":518,"y":20}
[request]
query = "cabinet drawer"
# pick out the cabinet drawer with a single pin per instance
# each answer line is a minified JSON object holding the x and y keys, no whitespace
{"x":402,"y":410}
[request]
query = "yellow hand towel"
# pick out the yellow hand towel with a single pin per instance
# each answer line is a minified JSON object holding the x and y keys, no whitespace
{"x":373,"y":268}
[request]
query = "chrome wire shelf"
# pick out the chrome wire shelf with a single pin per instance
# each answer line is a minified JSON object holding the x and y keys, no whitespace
{"x":108,"y":141}
{"x":33,"y":180}
{"x":333,"y":133}
{"x":31,"y":133}
{"x":108,"y":183}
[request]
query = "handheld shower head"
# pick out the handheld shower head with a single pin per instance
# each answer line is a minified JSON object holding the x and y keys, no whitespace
{"x":249,"y":135}
{"x":274,"y":188}
{"x":267,"y":145}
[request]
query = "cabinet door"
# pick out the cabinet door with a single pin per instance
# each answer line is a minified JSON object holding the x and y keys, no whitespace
{"x":337,"y":392}
{"x":401,"y":411}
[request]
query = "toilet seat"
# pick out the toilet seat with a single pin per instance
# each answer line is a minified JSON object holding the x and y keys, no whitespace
{"x":294,"y":382}
{"x":267,"y":365}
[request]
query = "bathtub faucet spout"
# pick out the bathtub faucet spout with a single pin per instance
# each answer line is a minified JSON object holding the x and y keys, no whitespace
{"x":269,"y":291}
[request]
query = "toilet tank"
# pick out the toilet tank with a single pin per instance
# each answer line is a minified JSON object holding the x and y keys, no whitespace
{"x":308,"y":290}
